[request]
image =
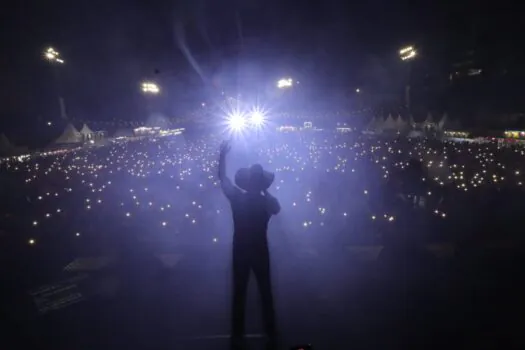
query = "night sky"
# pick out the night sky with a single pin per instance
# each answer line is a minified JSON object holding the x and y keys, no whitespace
{"x":110,"y":46}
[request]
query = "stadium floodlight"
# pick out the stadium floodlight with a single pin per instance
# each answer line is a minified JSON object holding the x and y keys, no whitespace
{"x":53,"y":56}
{"x":149,"y":87}
{"x":236,"y":122}
{"x":407,"y":53}
{"x":257,"y":118}
{"x":405,"y":50}
{"x":285,"y":83}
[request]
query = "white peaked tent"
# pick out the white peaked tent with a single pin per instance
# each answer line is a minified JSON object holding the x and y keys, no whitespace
{"x":371,"y":125}
{"x":70,"y":135}
{"x":85,"y":131}
{"x":442,"y":122}
{"x":4,"y":142}
{"x":389,"y":124}
{"x":377,"y":125}
{"x":448,"y":124}
{"x":8,"y":149}
{"x":429,"y":119}
{"x":411,"y":122}
{"x":400,"y":123}
{"x":5,"y":145}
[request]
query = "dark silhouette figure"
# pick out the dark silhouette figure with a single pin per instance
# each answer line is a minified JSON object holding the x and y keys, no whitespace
{"x":252,"y":207}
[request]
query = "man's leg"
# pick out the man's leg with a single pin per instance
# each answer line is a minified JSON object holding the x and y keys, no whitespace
{"x":241,"y":274}
{"x":261,"y":268}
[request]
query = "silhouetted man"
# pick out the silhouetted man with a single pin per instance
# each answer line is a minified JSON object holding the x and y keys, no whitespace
{"x":252,"y":207}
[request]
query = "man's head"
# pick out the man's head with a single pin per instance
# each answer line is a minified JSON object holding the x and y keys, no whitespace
{"x":256,"y":182}
{"x":254,"y":179}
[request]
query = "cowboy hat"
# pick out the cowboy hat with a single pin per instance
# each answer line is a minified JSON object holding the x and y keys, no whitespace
{"x":246,"y":178}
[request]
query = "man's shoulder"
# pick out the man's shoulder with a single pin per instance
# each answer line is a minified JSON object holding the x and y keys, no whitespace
{"x":244,"y":201}
{"x":236,"y":198}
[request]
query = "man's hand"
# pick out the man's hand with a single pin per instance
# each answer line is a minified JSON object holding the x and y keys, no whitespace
{"x":227,"y":186}
{"x":225,"y":148}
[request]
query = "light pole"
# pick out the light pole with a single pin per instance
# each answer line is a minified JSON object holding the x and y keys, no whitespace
{"x":408,"y":54}
{"x":54,"y":58}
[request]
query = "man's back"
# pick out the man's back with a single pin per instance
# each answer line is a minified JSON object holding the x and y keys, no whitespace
{"x":250,"y":218}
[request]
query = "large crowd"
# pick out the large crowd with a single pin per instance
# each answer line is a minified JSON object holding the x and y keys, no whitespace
{"x":334,"y":189}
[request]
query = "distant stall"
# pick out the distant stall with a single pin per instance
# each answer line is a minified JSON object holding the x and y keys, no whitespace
{"x":287,"y":128}
{"x":147,"y":131}
{"x":514,"y":134}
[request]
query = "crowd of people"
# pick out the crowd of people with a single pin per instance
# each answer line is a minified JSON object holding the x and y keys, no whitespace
{"x":334,"y":189}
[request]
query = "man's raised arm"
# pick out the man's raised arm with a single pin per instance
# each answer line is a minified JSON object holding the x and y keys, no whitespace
{"x":227,"y":186}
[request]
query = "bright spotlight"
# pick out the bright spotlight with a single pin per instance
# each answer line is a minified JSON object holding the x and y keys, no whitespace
{"x":243,"y":122}
{"x":236,"y":122}
{"x":257,"y":118}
